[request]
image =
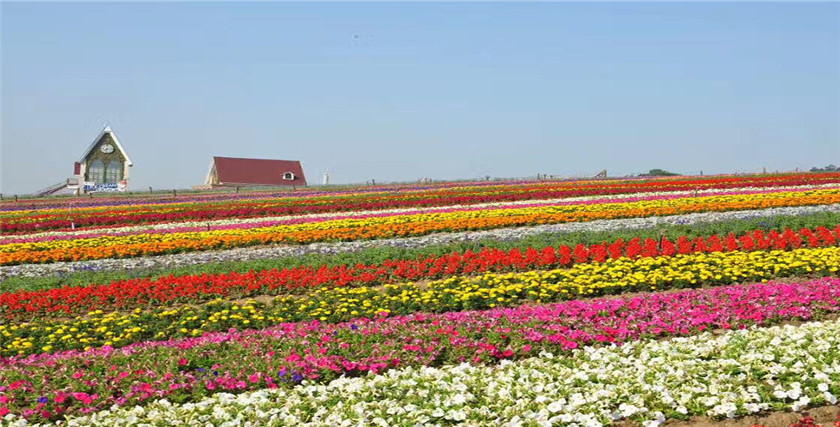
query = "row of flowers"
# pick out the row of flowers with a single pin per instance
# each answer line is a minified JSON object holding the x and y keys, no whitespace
{"x":63,"y":218}
{"x":131,"y":293}
{"x":165,"y":198}
{"x":402,"y":225}
{"x":451,"y":294}
{"x":140,"y":265}
{"x":737,"y":373}
{"x":295,"y":206}
{"x":103,"y":201}
{"x":239,"y":223}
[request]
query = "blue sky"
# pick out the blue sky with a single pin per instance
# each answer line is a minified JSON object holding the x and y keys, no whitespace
{"x":399,"y":91}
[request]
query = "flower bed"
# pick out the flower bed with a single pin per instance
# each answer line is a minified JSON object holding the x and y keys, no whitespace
{"x":428,"y":324}
{"x":196,"y":262}
{"x":738,"y":373}
{"x":187,"y":369}
{"x":403,"y":225}
{"x":34,"y":219}
{"x":128,"y":294}
{"x":451,"y":294}
{"x":261,"y":222}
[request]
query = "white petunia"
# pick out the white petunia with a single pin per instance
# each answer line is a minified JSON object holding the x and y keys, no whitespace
{"x":555,"y":407}
{"x":801,"y":403}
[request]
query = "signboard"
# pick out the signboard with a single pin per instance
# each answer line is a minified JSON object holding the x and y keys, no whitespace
{"x":91,"y":187}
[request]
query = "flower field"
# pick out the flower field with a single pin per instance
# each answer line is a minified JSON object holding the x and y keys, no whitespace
{"x":41,"y":216}
{"x":515,"y":303}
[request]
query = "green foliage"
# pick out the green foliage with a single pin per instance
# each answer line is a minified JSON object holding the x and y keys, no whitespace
{"x":659,"y":172}
{"x":829,"y":168}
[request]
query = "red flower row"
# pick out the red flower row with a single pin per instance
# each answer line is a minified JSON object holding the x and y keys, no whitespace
{"x":131,"y":293}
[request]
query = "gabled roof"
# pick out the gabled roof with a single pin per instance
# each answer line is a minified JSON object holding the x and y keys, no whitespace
{"x":106,"y":130}
{"x":234,"y":170}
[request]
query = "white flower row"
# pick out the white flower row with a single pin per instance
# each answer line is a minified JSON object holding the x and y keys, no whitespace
{"x":506,"y":234}
{"x":193,"y":223}
{"x":736,"y":373}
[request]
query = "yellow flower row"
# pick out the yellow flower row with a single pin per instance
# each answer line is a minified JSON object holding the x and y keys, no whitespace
{"x":587,"y":279}
{"x":541,"y":214}
{"x":451,"y":294}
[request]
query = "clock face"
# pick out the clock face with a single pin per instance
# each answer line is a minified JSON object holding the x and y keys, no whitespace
{"x":106,"y":148}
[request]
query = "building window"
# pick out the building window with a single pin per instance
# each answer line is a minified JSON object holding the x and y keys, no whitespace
{"x":288,"y":176}
{"x":96,"y":171}
{"x":113,"y":172}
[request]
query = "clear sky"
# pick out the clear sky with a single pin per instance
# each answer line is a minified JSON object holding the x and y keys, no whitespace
{"x":399,"y":91}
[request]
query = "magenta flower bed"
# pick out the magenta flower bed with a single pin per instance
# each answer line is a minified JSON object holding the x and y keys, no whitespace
{"x":49,"y":385}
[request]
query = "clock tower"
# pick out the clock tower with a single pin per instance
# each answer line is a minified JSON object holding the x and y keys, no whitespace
{"x":104,"y":166}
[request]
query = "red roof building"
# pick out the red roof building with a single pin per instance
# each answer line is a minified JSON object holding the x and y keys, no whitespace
{"x":238,"y":172}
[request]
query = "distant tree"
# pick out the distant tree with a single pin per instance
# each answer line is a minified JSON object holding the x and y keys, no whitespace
{"x":659,"y":172}
{"x":829,"y":168}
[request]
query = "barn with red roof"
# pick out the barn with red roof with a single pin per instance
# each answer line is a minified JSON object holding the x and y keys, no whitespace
{"x":239,"y":172}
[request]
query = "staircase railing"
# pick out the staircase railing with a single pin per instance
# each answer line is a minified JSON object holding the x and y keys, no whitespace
{"x":52,"y":189}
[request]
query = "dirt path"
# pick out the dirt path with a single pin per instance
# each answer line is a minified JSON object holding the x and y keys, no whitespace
{"x":824,"y":415}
